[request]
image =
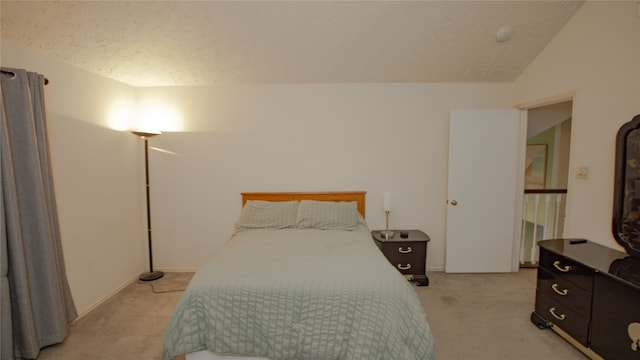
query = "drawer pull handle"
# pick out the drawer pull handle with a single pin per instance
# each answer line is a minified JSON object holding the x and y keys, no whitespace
{"x":558,"y":291}
{"x":405,"y":251}
{"x":407,"y":267}
{"x":565,"y":268}
{"x":559,"y":317}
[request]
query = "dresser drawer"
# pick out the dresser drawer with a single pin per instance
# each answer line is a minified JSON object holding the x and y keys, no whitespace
{"x":560,"y":315}
{"x":615,"y":309}
{"x":566,"y":269}
{"x":565,"y":292}
{"x":408,"y":257}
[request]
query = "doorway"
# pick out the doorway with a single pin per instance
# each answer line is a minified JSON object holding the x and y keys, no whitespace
{"x":546,"y":176}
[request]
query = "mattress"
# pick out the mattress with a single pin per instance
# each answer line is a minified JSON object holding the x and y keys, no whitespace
{"x":300,"y":294}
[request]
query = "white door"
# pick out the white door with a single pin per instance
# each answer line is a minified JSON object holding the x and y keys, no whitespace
{"x":486,"y":185}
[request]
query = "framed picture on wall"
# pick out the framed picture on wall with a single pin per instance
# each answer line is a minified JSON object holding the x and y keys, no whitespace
{"x":535,"y":171}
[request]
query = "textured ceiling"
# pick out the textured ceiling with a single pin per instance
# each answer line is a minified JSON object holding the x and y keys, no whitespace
{"x":166,"y":43}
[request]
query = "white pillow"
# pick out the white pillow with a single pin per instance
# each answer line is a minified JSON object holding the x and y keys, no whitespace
{"x":258,"y":214}
{"x":328,"y":215}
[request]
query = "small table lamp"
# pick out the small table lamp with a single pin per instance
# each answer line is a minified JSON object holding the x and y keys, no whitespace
{"x":387,"y":234}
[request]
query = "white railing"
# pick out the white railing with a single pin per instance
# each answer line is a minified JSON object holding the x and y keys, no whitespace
{"x":542,"y":218}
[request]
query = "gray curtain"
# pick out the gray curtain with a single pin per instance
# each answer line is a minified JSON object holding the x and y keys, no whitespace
{"x":36,"y":305}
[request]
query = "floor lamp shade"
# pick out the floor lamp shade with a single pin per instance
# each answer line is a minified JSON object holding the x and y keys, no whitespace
{"x":151,"y":275}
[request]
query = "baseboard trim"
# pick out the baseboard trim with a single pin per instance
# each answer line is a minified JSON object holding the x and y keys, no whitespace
{"x":105,"y":298}
{"x":178,"y":269}
{"x":120,"y":288}
{"x":585,"y":350}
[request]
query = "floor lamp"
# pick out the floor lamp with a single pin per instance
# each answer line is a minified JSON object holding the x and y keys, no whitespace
{"x":151,"y":275}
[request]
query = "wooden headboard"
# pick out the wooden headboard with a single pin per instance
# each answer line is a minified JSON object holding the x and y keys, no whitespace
{"x":357,"y":196}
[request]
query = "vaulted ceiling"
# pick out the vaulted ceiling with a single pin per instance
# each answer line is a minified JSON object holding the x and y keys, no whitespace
{"x":172,"y":43}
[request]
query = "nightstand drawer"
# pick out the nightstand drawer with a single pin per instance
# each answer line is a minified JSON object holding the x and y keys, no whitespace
{"x":408,"y":257}
{"x":565,"y":292}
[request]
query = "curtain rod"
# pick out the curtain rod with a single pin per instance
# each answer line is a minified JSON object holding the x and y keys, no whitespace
{"x":46,"y":81}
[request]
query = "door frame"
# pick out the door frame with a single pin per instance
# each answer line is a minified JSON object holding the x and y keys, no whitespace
{"x":517,"y":226}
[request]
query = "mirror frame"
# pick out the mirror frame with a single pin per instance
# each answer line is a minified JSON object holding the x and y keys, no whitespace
{"x":631,"y":244}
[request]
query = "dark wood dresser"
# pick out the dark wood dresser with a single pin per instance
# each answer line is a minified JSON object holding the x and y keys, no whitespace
{"x":590,"y":295}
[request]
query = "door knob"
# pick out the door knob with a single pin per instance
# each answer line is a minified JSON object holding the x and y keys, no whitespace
{"x":454,"y":203}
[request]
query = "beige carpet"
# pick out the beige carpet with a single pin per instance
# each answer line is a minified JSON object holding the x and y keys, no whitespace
{"x":472,"y":316}
{"x":128,"y":326}
{"x":486,"y":316}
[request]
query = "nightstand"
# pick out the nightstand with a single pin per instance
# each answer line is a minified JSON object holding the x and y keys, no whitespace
{"x":407,"y":251}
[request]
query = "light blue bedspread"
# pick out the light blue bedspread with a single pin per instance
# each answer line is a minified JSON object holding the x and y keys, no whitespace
{"x":300,"y":294}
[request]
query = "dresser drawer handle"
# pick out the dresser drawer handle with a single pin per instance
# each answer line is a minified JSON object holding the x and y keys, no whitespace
{"x":558,"y":291}
{"x":407,"y":267}
{"x":405,"y":251}
{"x":565,"y":268}
{"x":559,"y":317}
{"x":634,"y":333}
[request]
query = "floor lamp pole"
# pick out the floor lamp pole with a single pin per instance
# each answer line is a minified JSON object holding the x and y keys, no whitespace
{"x":151,"y":275}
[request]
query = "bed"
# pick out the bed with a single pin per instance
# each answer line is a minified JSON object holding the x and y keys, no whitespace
{"x":300,"y":278}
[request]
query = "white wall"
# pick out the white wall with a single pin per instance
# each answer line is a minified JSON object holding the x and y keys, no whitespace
{"x":372,"y":137}
{"x":98,"y":179}
{"x":597,"y":55}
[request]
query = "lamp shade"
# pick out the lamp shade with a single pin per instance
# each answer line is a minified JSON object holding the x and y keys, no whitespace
{"x":387,"y":201}
{"x":146,"y":134}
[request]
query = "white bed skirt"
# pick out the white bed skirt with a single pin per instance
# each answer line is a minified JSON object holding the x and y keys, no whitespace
{"x":207,"y":355}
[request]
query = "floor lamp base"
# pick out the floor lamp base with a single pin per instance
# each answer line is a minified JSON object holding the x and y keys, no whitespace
{"x":150,"y":276}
